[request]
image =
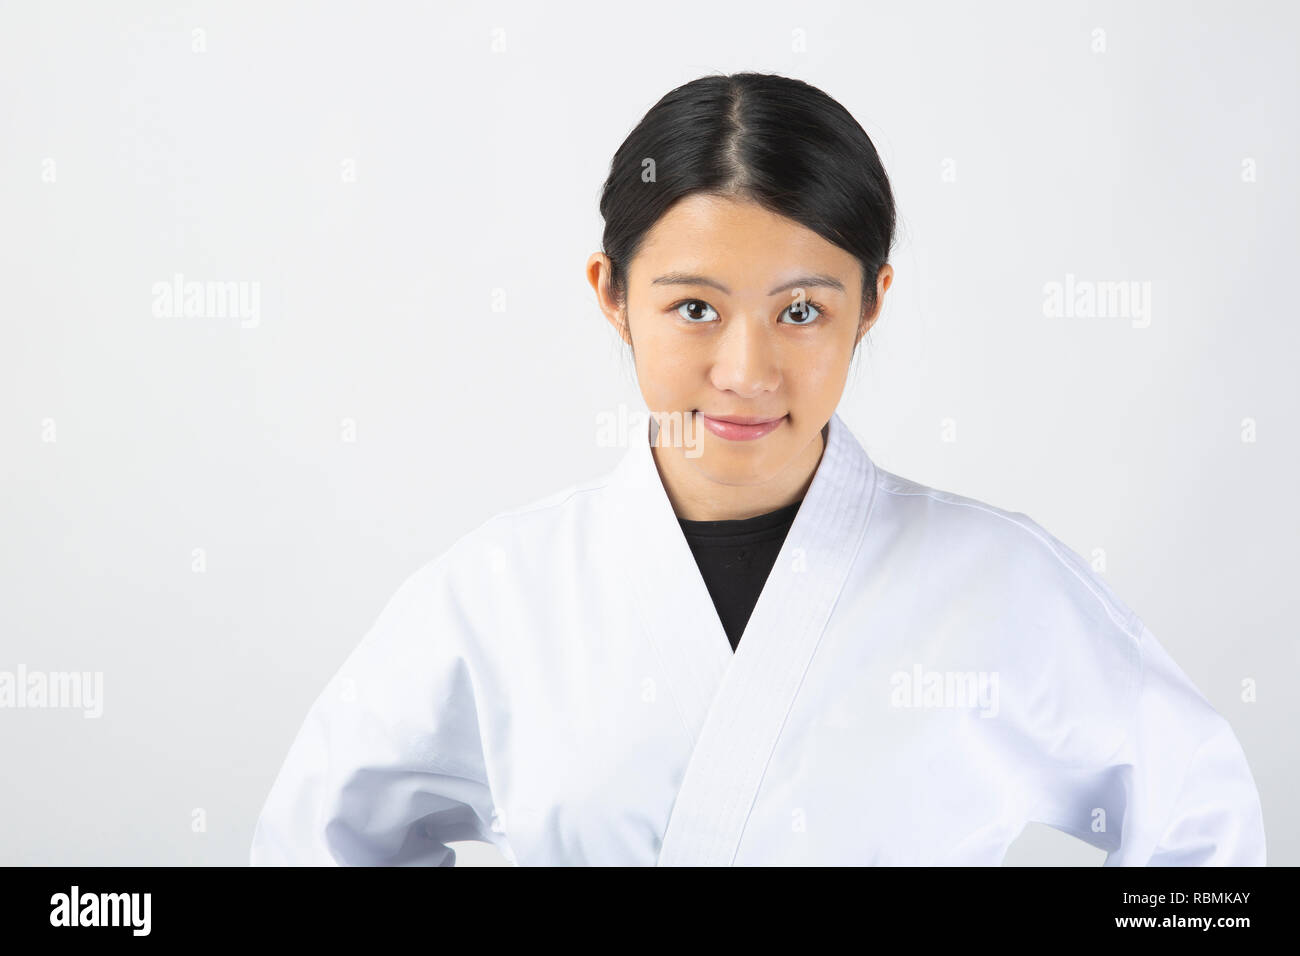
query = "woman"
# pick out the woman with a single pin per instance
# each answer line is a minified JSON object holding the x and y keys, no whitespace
{"x":748,"y":644}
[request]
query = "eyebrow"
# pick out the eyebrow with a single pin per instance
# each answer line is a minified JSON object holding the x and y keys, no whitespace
{"x":686,"y":278}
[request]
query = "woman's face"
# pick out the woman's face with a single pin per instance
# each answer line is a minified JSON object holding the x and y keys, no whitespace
{"x":734,"y":312}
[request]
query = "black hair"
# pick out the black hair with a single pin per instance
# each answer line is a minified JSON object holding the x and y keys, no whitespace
{"x":771,"y":139}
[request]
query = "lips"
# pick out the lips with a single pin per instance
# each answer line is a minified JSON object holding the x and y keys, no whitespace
{"x":741,"y":427}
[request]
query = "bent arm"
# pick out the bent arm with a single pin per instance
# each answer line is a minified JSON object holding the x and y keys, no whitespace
{"x":387,"y":768}
{"x":1189,"y":798}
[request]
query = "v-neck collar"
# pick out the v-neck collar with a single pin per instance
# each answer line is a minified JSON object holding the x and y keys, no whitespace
{"x":672,"y":598}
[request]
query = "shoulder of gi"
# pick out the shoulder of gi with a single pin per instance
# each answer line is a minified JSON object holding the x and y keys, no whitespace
{"x":1066,"y":645}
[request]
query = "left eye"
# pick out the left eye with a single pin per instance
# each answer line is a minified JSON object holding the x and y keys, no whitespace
{"x":804,"y":313}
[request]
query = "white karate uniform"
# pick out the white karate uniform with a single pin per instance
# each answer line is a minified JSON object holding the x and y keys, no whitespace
{"x":923,"y":675}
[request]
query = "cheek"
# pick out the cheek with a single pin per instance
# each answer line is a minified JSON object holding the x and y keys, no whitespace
{"x":820,"y":373}
{"x":664,"y":369}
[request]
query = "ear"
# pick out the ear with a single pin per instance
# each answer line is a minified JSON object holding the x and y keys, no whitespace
{"x":884,"y":279}
{"x":599,"y":270}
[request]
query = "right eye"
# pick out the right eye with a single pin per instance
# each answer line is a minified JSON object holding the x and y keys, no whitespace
{"x":693,"y":306}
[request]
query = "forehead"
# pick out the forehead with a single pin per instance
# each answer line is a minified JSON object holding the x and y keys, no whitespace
{"x":736,"y":242}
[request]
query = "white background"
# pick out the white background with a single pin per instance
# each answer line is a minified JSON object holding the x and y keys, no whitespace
{"x":1019,"y":153}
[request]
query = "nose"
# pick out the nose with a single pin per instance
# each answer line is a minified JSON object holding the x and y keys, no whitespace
{"x":746,"y":359}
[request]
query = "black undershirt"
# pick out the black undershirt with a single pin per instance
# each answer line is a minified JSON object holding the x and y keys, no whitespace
{"x":735,"y":558}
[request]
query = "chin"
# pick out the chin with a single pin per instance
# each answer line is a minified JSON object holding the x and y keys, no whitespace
{"x":738,"y":463}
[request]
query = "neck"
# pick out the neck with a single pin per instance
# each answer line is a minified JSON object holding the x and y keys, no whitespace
{"x":696,"y":497}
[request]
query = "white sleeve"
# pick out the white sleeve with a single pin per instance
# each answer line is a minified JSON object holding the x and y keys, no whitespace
{"x":1187,"y":797}
{"x":387,"y":767}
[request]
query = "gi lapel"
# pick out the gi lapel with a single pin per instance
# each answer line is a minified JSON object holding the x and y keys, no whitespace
{"x":756,"y":687}
{"x":669,"y":597}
